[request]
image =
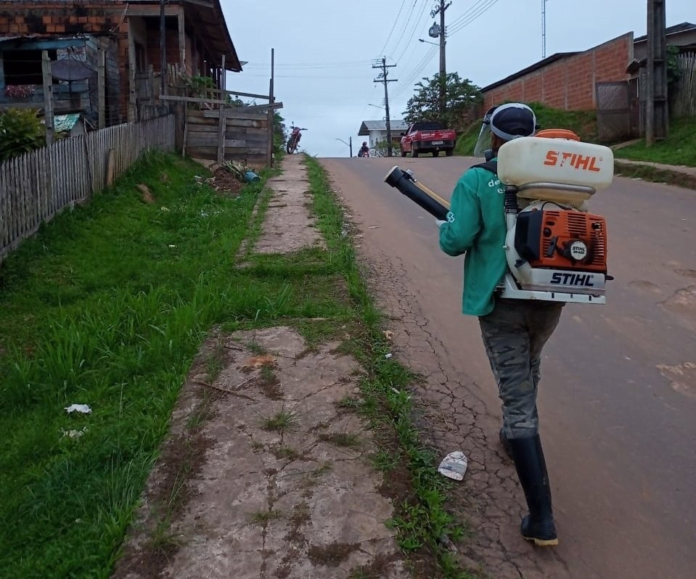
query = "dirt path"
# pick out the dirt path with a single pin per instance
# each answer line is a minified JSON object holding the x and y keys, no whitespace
{"x":618,"y":424}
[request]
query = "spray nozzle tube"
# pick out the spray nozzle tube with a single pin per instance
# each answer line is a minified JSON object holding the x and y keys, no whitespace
{"x":406,"y":183}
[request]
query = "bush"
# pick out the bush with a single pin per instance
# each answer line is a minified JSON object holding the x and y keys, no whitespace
{"x":20,"y":132}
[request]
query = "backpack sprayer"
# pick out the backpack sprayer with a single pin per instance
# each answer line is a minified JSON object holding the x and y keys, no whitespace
{"x":556,"y":250}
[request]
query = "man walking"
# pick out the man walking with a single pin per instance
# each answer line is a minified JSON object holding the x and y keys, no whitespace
{"x":514,"y":331}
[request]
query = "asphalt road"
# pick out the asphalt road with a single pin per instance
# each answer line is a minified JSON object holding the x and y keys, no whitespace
{"x":618,"y":390}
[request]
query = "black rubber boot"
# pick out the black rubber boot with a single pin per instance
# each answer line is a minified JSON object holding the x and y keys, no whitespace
{"x":538,"y":525}
{"x":506,"y":444}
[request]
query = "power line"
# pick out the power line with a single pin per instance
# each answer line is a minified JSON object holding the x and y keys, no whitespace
{"x":325,"y":77}
{"x":417,"y":70}
{"x":412,"y":34}
{"x":403,"y":3}
{"x":312,"y":65}
{"x":475,"y":16}
{"x":403,"y":32}
{"x":463,"y":21}
{"x":468,"y":12}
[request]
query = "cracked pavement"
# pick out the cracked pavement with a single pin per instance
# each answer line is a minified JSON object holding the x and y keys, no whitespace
{"x":616,"y":396}
{"x":289,"y":225}
{"x":267,"y":469}
{"x":284,"y":501}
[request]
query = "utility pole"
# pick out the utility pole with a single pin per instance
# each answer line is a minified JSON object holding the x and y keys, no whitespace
{"x":441,"y":9}
{"x":383,"y":78}
{"x":657,"y":104}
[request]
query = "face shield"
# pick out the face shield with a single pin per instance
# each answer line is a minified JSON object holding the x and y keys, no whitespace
{"x":510,"y":121}
{"x":483,"y":143}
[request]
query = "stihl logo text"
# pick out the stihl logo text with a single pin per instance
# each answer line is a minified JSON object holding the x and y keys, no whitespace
{"x":572,"y":279}
{"x":580,"y":162}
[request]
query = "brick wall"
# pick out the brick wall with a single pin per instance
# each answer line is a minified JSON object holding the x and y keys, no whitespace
{"x":569,"y":83}
{"x":42,"y":19}
{"x":172,"y":47}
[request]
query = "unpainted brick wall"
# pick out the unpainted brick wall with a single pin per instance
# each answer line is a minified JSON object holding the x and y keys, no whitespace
{"x":569,"y":83}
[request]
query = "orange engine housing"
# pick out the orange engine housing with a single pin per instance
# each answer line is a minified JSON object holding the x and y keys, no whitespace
{"x":562,"y":239}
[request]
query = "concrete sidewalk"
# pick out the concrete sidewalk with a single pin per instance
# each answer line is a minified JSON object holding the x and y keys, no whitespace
{"x":280,"y":485}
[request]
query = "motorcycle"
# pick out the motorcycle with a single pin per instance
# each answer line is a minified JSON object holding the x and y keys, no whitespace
{"x":364,"y":154}
{"x":294,"y":140}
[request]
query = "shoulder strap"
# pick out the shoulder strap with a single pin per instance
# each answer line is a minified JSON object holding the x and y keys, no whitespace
{"x":491,"y":166}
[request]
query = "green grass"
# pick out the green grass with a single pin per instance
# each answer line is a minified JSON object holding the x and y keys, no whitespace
{"x":421,"y":520}
{"x":106,"y":306}
{"x":280,"y":422}
{"x":99,"y":308}
{"x":678,"y":149}
{"x":583,"y":123}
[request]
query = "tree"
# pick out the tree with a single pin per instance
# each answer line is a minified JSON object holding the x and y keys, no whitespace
{"x":461,"y":96}
{"x":21,"y":132}
{"x":280,"y":134}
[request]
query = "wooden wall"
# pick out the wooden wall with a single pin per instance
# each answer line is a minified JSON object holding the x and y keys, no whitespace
{"x":245,"y":135}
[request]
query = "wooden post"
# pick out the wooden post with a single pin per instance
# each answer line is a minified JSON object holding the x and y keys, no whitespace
{"x":223,"y":118}
{"x":183,"y":142}
{"x":48,"y":95}
{"x":163,"y":49}
{"x":271,"y":111}
{"x":110,"y":168}
{"x":151,"y":84}
{"x":182,"y":40}
{"x":132,"y":87}
{"x":101,"y":81}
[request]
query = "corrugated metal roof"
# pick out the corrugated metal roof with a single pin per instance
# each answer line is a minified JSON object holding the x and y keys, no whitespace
{"x":676,"y":29}
{"x":65,"y":123}
{"x":366,"y":126}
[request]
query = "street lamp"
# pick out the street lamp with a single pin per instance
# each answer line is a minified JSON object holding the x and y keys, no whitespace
{"x":350,"y":144}
{"x":426,"y":42}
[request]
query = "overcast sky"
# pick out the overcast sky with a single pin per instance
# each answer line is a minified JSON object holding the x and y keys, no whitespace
{"x":325,"y":49}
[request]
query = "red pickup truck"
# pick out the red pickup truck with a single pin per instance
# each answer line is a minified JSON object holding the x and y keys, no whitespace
{"x":428,"y":137}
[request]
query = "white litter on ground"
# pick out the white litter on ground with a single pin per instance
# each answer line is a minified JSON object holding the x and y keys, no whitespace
{"x":454,"y":465}
{"x":81,"y":408}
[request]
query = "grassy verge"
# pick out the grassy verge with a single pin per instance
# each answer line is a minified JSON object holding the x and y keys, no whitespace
{"x":583,"y":123}
{"x":678,"y":149}
{"x":107,"y":306}
{"x":421,"y":519}
{"x":655,"y":175}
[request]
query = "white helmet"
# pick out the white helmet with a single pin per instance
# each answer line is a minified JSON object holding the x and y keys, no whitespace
{"x":510,"y":121}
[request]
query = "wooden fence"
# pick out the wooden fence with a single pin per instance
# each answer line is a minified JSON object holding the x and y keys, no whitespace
{"x":37,"y":185}
{"x":245,"y":135}
{"x":684,"y":97}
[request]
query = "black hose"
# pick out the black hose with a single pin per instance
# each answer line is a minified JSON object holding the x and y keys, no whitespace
{"x":405,"y":184}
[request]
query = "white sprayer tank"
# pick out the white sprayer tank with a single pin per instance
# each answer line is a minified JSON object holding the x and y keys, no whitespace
{"x":530,"y":160}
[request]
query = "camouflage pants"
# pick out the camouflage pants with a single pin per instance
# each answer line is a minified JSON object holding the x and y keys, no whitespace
{"x":514,"y":334}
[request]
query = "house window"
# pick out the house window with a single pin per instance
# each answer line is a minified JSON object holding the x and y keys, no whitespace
{"x":24,"y":66}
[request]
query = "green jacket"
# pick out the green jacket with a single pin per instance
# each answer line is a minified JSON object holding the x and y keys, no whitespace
{"x":476,"y":226}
